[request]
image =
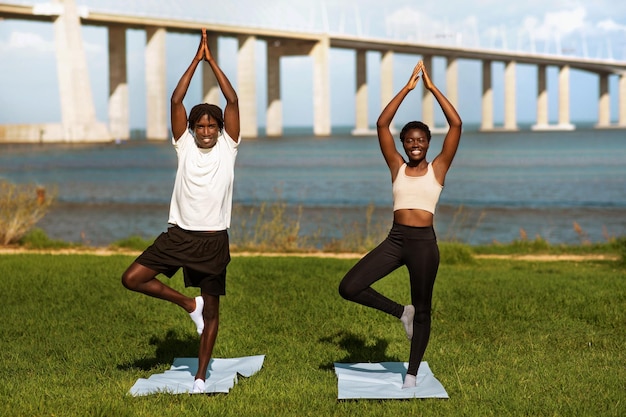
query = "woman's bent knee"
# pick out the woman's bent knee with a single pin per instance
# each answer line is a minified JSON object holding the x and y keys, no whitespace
{"x":345,"y":291}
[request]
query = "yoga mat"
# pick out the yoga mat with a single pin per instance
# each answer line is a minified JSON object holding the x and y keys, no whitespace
{"x":384,"y":381}
{"x":221,"y":376}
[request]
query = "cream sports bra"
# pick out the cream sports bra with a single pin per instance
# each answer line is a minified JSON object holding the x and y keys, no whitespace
{"x":416,"y":192}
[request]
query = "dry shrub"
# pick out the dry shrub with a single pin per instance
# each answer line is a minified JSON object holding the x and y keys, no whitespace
{"x":21,"y":207}
{"x":270,"y":227}
{"x":584,"y":238}
{"x":523,"y":235}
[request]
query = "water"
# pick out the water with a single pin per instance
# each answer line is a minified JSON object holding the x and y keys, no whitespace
{"x":501,"y":185}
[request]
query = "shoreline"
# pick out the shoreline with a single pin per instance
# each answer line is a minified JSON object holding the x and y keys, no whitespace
{"x":103,"y":251}
{"x":103,"y":224}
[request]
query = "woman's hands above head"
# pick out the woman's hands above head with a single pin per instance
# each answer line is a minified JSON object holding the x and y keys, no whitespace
{"x":427,"y":81}
{"x":412,"y":83}
{"x":415,"y":76}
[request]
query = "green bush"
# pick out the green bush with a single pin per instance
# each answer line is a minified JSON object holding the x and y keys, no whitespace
{"x":621,"y":247}
{"x":38,"y":239}
{"x":133,"y":243}
{"x":453,"y":253}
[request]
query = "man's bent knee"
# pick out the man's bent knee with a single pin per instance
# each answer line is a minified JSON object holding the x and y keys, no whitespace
{"x":128,"y":282}
{"x":136,"y":275}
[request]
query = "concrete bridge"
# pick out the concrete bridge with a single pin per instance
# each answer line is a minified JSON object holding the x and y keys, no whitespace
{"x":78,"y":112}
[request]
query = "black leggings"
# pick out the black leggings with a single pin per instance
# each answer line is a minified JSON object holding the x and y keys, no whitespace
{"x":415,"y":247}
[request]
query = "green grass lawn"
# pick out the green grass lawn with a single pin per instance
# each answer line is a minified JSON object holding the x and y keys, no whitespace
{"x":510,"y":338}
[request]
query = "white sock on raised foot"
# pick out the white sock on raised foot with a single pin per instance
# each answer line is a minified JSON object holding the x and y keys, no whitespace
{"x":196,"y":315}
{"x":407,"y":320}
{"x":198,"y":386}
{"x":410,"y":381}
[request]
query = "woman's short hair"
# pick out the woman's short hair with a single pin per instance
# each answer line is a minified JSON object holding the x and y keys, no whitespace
{"x":415,"y":125}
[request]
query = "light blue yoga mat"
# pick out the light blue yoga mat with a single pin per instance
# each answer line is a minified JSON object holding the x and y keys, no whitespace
{"x":221,"y":376}
{"x":384,"y":381}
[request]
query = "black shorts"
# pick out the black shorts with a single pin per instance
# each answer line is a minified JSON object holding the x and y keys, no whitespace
{"x":202,"y":255}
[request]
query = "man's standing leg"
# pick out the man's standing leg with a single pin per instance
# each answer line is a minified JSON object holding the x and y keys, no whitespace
{"x":211,"y":314}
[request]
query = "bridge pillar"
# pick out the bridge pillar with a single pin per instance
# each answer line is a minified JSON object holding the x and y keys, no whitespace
{"x":210,"y":89}
{"x":361,"y":125}
{"x":77,"y":109}
{"x":452,"y":81}
{"x":156,"y":86}
{"x":274,"y":113}
{"x":622,"y":100}
{"x":428,"y":112}
{"x":119,"y":125}
{"x":510,"y":120}
{"x":564,"y":121}
{"x":246,"y":85}
{"x":487,"y":98}
{"x":452,"y":87}
{"x":604,"y":104}
{"x":386,"y":81}
{"x":321,"y":88}
{"x":542,"y":100}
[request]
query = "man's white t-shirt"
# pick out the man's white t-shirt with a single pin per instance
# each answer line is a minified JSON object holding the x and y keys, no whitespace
{"x":203,"y":190}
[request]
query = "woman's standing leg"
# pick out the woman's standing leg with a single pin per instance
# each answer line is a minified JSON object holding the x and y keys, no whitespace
{"x":422,"y":260}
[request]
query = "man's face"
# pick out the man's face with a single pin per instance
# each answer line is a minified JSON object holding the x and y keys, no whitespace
{"x":206,"y":132}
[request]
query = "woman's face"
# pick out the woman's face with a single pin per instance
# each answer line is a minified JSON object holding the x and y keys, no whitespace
{"x":415,"y":144}
{"x":206,"y":132}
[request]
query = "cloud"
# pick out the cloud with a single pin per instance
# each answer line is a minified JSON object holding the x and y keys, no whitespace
{"x":410,"y":24}
{"x":19,"y":41}
{"x":555,"y":24}
{"x":27,"y":40}
{"x":566,"y":22}
{"x":550,"y":29}
{"x":568,"y":30}
{"x":609,"y":25}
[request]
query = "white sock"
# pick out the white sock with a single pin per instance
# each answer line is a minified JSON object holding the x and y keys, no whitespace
{"x":198,"y":386}
{"x":196,"y":315}
{"x":410,"y":381}
{"x":407,"y":320}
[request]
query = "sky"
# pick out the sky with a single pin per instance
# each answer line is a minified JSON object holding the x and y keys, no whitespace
{"x":29,"y":91}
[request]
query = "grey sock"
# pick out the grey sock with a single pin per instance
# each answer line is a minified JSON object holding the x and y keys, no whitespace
{"x":407,"y":320}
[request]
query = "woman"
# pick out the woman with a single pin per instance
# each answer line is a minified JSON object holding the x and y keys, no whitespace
{"x":416,"y":186}
{"x":197,"y":239}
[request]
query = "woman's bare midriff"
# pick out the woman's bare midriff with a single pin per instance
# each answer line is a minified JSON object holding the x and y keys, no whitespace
{"x":413,"y":217}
